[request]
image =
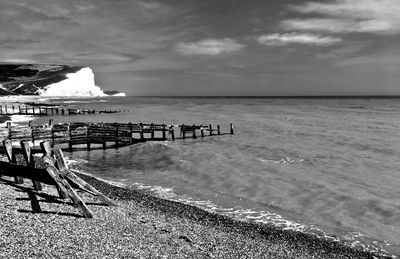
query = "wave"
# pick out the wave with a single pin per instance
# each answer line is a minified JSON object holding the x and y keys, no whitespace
{"x":286,"y":160}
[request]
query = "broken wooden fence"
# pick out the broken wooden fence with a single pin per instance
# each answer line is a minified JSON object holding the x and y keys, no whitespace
{"x":56,"y":173}
{"x":120,"y":134}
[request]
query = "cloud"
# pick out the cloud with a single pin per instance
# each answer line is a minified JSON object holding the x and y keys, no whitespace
{"x":209,"y":47}
{"x":277,"y":39}
{"x":346,"y":16}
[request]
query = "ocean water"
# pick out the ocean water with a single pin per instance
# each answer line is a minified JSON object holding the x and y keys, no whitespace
{"x":329,"y":167}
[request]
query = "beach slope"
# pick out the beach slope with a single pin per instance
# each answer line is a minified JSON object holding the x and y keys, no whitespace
{"x":141,"y":226}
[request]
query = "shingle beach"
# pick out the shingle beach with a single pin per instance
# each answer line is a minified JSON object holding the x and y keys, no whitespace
{"x":141,"y":226}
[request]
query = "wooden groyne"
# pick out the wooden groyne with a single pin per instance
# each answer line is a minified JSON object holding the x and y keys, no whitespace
{"x":104,"y":134}
{"x":37,"y":110}
{"x":52,"y":171}
{"x":37,"y":148}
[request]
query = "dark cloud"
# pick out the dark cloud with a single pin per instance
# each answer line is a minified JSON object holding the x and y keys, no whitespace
{"x":209,"y":47}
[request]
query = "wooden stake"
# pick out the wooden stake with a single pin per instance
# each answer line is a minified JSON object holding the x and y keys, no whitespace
{"x":164,"y":132}
{"x":12,"y":158}
{"x":34,"y":202}
{"x":218,"y":130}
{"x":74,"y":179}
{"x":194,"y":131}
{"x":201,"y":131}
{"x":172,"y":132}
{"x":130,"y":133}
{"x":141,"y":131}
{"x":152,"y":131}
{"x":116,"y":136}
{"x":26,"y":150}
{"x":88,"y":137}
{"x":231,"y":126}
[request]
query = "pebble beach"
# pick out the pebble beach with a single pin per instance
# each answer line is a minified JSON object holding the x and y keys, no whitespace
{"x":141,"y":226}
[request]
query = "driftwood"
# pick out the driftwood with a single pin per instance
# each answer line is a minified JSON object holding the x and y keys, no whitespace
{"x":55,"y":174}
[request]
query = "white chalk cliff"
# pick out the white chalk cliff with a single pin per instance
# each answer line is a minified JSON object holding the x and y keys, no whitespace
{"x":80,"y":83}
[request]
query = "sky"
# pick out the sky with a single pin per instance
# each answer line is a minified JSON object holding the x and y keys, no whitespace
{"x":215,"y":47}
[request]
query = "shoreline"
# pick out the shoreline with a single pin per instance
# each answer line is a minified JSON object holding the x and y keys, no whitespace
{"x":143,"y":226}
{"x":296,"y":242}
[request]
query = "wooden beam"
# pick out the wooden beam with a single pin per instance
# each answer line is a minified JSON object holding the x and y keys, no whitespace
{"x":12,"y":158}
{"x":26,"y":151}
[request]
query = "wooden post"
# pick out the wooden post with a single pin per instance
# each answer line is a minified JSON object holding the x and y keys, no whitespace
{"x":172,"y":131}
{"x":29,"y":123}
{"x":201,"y":131}
{"x":19,"y":109}
{"x":34,"y":202}
{"x":194,"y":131}
{"x":26,"y":150}
{"x":12,"y":109}
{"x":141,"y":131}
{"x":88,"y":137}
{"x":70,"y":138}
{"x":183,"y":131}
{"x":9,"y":130}
{"x":33,"y":109}
{"x":231,"y":126}
{"x":12,"y":158}
{"x":218,"y":130}
{"x":5,"y":107}
{"x":130,"y":133}
{"x":163,"y":132}
{"x":32,"y":134}
{"x":1,"y":109}
{"x":57,"y":111}
{"x":52,"y":137}
{"x":116,"y":136}
{"x":152,"y":131}
{"x":62,"y":111}
{"x":50,"y":122}
{"x":210,"y":129}
{"x":46,"y":149}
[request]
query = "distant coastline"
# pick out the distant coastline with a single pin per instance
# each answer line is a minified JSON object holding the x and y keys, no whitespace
{"x":280,"y":97}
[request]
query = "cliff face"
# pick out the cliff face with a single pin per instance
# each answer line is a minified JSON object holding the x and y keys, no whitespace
{"x":48,"y":80}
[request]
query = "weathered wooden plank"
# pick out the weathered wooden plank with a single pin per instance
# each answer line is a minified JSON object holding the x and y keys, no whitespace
{"x":74,"y":179}
{"x":12,"y":158}
{"x":34,"y":202}
{"x":34,"y":174}
{"x":26,"y":151}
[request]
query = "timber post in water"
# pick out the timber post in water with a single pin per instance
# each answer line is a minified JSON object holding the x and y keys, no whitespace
{"x":194,"y":131}
{"x":116,"y":136}
{"x":171,"y":128}
{"x":163,"y":132}
{"x":231,"y":126}
{"x":152,"y":131}
{"x":83,"y":133}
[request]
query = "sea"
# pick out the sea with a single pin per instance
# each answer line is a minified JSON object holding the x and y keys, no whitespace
{"x":329,"y":167}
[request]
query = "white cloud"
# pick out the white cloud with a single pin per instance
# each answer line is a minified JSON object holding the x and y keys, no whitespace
{"x":345,"y":16}
{"x":278,"y":39}
{"x":209,"y":47}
